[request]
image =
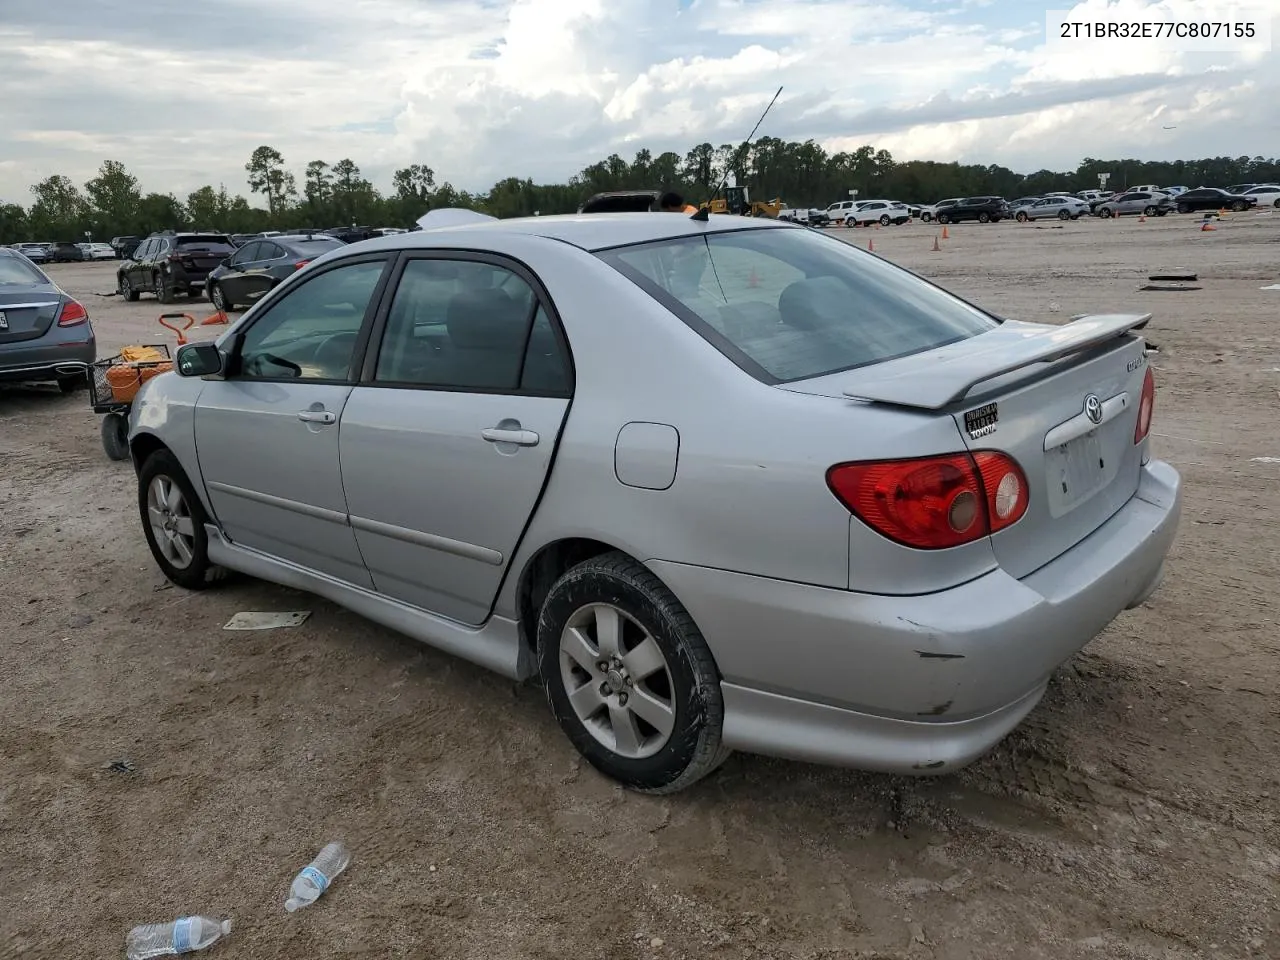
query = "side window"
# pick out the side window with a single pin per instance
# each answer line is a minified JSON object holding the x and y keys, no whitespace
{"x":248,"y":253}
{"x":270,"y":251}
{"x":465,"y":325}
{"x":145,"y":250}
{"x":310,"y":332}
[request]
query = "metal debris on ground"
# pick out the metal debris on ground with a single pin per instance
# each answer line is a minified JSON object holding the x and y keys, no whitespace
{"x":121,"y":766}
{"x":1167,"y":287}
{"x":1189,"y":277}
{"x":253,"y":620}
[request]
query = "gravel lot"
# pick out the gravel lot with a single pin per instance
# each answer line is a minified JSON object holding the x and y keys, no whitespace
{"x":1135,"y":815}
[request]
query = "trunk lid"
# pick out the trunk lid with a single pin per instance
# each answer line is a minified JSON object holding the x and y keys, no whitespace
{"x":1061,"y":400}
{"x":201,"y":258}
{"x":27,"y":313}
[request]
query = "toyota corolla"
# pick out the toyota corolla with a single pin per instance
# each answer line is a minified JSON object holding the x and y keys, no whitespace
{"x":719,"y":483}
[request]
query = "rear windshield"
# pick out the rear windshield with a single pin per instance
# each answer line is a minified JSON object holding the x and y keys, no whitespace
{"x":15,"y":270}
{"x":315,"y":244}
{"x":789,"y":304}
{"x":212,"y":244}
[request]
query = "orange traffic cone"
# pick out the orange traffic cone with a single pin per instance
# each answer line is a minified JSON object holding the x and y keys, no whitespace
{"x":1142,"y":218}
{"x":753,"y":280}
{"x":945,"y":235}
{"x":214,"y":319}
{"x":1207,"y":226}
{"x":936,"y":248}
{"x":871,"y":245}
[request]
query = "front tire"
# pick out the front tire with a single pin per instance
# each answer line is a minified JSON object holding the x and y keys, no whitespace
{"x":1021,"y":217}
{"x":984,"y":217}
{"x":219,"y":299}
{"x":629,"y":677}
{"x":173,"y":520}
{"x":926,"y":217}
{"x":1063,"y":215}
{"x":126,"y":289}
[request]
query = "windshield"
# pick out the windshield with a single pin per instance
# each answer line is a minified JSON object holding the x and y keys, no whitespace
{"x":15,"y":270}
{"x":790,"y":304}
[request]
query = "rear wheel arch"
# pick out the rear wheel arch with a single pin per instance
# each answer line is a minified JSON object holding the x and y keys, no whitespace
{"x":542,"y":570}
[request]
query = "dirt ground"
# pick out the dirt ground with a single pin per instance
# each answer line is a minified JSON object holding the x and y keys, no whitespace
{"x":1135,"y":815}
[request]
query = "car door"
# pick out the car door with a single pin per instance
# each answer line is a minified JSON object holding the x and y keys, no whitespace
{"x":233,"y":281}
{"x":256,"y":278}
{"x":447,"y":441}
{"x":267,"y":434}
{"x":133,"y":266}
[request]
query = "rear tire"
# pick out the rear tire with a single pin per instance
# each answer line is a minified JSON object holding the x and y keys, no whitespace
{"x":1063,"y":215}
{"x":163,"y":288}
{"x":1021,"y":217}
{"x":658,"y":673}
{"x":115,"y":436}
{"x":926,"y":217}
{"x":173,"y":520}
{"x":73,"y":383}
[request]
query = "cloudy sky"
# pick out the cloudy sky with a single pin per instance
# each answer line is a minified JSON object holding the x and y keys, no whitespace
{"x":483,"y":89}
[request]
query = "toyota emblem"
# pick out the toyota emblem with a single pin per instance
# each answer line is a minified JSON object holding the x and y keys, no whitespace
{"x":1093,"y":408}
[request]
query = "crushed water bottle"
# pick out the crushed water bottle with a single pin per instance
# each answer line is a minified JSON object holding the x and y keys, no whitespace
{"x":315,"y":878}
{"x":184,"y":935}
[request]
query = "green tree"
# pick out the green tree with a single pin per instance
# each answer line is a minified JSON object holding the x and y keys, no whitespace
{"x":268,"y":177}
{"x":209,"y":209}
{"x":13,"y":223}
{"x":318,"y":190}
{"x":160,"y":211}
{"x":60,"y":211}
{"x":113,"y":196}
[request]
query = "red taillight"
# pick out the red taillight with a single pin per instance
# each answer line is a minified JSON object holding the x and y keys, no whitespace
{"x":300,"y":264}
{"x":73,"y":314}
{"x":935,"y":502}
{"x":1146,"y":406}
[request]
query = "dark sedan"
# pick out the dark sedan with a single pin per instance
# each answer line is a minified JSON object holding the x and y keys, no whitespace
{"x":1212,"y":198}
{"x":45,"y":335}
{"x":258,"y":266}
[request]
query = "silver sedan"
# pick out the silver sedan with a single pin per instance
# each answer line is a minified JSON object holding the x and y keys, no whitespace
{"x":718,"y":483}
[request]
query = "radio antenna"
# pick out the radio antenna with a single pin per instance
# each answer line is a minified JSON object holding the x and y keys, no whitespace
{"x":704,"y":213}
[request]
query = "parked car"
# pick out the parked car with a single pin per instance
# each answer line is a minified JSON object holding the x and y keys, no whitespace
{"x":98,"y":251}
{"x":1059,"y":207}
{"x":45,"y":334}
{"x":1265,"y":195}
{"x":1136,"y":202}
{"x":839,"y":211}
{"x":65,"y":252}
{"x":513,"y":439}
{"x":35,"y":252}
{"x":260,"y":265}
{"x":942,"y":206}
{"x":124,"y":246}
{"x":982,"y":209}
{"x":921,"y":211}
{"x":1015,"y":205}
{"x":1174,"y":191}
{"x":883,"y":212}
{"x":1213,"y":198}
{"x":168,"y":264}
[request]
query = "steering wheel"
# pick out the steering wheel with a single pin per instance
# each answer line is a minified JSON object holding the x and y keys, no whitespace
{"x":333,"y":355}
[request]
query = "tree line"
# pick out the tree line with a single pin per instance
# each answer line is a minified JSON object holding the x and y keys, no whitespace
{"x":337,"y":194}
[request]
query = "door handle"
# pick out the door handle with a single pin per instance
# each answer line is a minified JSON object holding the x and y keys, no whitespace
{"x":525,"y":438}
{"x":316,"y":416}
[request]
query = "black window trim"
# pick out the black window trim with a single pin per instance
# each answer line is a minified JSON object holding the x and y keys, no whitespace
{"x":264,"y":307}
{"x":369,"y":367}
{"x":608,"y":255}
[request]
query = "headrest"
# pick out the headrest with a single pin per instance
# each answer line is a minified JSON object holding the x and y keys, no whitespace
{"x":487,"y":320}
{"x":812,"y":304}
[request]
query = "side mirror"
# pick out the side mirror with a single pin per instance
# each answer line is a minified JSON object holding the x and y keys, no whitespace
{"x":198,"y":360}
{"x":225,"y":262}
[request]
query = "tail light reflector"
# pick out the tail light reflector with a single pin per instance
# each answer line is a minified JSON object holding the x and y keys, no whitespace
{"x":934,"y":503}
{"x":300,"y":264}
{"x":73,"y":314}
{"x":1146,"y":406}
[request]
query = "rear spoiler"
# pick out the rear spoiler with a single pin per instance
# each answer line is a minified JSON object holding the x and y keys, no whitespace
{"x":945,"y":376}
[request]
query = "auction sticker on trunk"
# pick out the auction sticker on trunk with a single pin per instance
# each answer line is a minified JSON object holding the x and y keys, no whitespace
{"x":4,"y":321}
{"x":981,"y":421}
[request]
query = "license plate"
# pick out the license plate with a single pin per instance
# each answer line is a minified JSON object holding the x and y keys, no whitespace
{"x":4,"y":321}
{"x":1076,"y":471}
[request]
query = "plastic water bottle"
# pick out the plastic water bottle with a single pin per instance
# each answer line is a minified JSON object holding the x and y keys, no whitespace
{"x":315,"y":878}
{"x":184,"y":935}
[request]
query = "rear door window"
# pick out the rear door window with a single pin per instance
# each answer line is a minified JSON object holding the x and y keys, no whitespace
{"x":790,"y":304}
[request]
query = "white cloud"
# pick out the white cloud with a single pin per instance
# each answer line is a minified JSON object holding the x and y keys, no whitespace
{"x":541,"y":88}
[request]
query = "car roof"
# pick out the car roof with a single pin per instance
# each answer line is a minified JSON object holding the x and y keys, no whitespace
{"x":588,"y":231}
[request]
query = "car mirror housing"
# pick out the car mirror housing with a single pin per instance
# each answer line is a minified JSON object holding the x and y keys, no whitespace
{"x":199,"y":360}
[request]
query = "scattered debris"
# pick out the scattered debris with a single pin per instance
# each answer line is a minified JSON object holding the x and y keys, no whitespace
{"x":1271,"y":286}
{"x":657,"y":943}
{"x":1190,"y":277}
{"x":252,"y":620}
{"x":184,"y":935}
{"x":1167,"y":287}
{"x":120,"y":766}
{"x":314,"y":879}
{"x":1264,"y":460}
{"x":79,"y":620}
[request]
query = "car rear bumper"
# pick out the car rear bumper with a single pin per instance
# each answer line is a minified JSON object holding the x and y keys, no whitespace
{"x":44,"y":361}
{"x":925,"y":684}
